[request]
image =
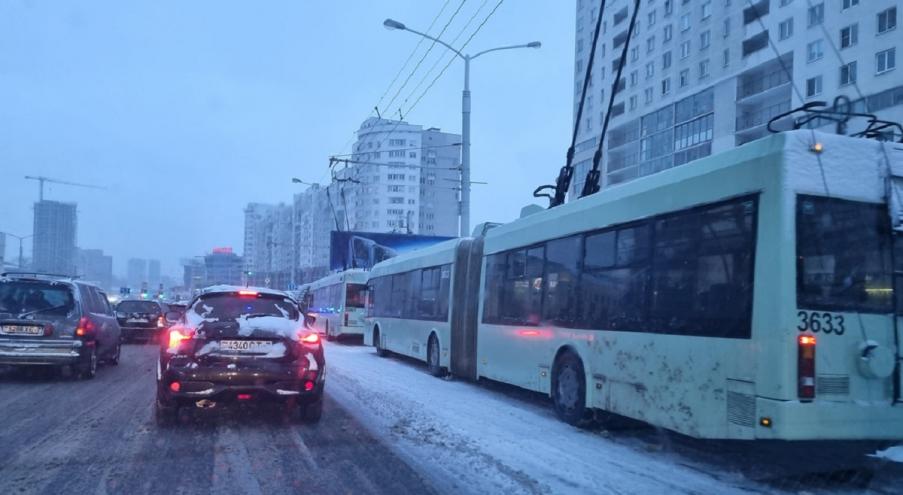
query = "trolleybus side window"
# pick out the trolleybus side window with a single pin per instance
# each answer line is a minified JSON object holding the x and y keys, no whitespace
{"x":522,"y":287}
{"x":843,"y":255}
{"x":496,"y":265}
{"x":560,"y":299}
{"x":615,"y":279}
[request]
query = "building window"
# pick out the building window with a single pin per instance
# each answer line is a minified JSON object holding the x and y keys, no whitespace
{"x":726,"y":27}
{"x":849,"y":36}
{"x":647,"y":93}
{"x":666,"y":60}
{"x":814,"y":51}
{"x":650,"y":44}
{"x":650,"y":70}
{"x":666,"y":85}
{"x":397,"y":142}
{"x":685,"y":22}
{"x":704,"y":69}
{"x":813,"y":86}
{"x":633,"y":78}
{"x":685,"y":49}
{"x":784,"y":3}
{"x":669,"y":33}
{"x":885,"y":60}
{"x":848,"y":73}
{"x":669,"y":7}
{"x":706,"y":10}
{"x":634,"y":54}
{"x":726,"y":57}
{"x":785,"y":29}
{"x":850,"y":3}
{"x":816,"y":14}
{"x":887,"y":20}
{"x":632,"y":101}
{"x":684,"y":78}
{"x":705,"y":39}
{"x":650,"y":18}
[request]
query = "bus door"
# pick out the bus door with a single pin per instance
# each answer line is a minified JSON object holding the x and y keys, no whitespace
{"x":355,"y":305}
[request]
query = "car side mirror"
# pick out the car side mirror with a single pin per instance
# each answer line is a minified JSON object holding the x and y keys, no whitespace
{"x":173,"y":316}
{"x":309,"y":320}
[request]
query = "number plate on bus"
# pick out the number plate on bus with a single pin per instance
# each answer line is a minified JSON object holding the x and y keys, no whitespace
{"x":21,"y":330}
{"x":246,"y":346}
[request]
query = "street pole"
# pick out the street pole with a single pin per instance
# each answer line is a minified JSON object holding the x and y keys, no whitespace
{"x":465,"y":151}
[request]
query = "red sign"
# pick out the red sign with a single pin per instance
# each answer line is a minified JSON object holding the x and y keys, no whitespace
{"x":222,"y":250}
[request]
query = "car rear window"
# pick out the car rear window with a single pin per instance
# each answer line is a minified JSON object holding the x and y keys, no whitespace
{"x":230,"y":307}
{"x":138,"y":307}
{"x":18,"y":298}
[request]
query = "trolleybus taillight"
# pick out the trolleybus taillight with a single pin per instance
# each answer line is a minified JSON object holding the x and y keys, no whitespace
{"x":805,"y":366}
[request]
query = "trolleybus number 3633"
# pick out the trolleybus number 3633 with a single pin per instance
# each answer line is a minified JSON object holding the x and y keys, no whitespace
{"x":815,"y":321}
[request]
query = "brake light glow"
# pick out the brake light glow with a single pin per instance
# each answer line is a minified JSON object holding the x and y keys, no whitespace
{"x":85,"y":327}
{"x":247,"y":293}
{"x":177,"y":335}
{"x":310,"y":338}
{"x":308,"y":386}
{"x":160,"y":323}
{"x":244,"y":396}
{"x":175,"y":386}
{"x":48,"y":329}
{"x":805,"y":367}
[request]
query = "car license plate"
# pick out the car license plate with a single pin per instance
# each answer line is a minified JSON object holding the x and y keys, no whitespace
{"x":246,"y":346}
{"x":21,"y":330}
{"x":136,"y":320}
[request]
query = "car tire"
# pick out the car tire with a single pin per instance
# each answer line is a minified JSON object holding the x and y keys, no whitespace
{"x":88,"y":370}
{"x":432,"y":356}
{"x":377,"y":343}
{"x":114,"y":358}
{"x":329,"y":335}
{"x":311,"y":412}
{"x":569,"y":390}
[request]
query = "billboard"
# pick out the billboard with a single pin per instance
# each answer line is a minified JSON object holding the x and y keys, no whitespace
{"x":365,"y":249}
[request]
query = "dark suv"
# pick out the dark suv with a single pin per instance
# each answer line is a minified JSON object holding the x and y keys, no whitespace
{"x":238,"y":344}
{"x":141,"y":319}
{"x":56,"y":321}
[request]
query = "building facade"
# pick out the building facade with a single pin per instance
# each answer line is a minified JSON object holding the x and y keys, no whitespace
{"x":55,"y":225}
{"x":313,"y":222}
{"x":703,"y":76}
{"x":257,"y":216}
{"x":401,"y":179}
{"x":136,"y":273}
{"x":153,"y":274}
{"x":269,"y":253}
{"x":222,"y":266}
{"x":94,"y":266}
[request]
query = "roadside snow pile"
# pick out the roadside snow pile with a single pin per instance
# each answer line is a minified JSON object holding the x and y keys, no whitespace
{"x":473,"y":440}
{"x":894,"y":454}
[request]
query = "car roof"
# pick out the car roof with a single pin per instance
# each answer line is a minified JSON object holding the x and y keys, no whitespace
{"x":225,"y":289}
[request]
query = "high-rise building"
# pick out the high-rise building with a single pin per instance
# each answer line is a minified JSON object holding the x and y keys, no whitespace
{"x":703,"y":76}
{"x":54,"y":237}
{"x":94,"y":266}
{"x":194,"y":275}
{"x":222,"y":266}
{"x":402,"y":179}
{"x":153,"y":274}
{"x":2,"y":250}
{"x":255,"y":242}
{"x":313,"y":223}
{"x":136,"y":273}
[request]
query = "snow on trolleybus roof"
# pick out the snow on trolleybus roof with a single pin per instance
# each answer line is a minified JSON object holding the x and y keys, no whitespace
{"x":352,"y":275}
{"x":436,"y":254}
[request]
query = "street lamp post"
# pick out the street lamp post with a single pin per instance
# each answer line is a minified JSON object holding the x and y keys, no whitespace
{"x":20,"y":238}
{"x":465,"y":113}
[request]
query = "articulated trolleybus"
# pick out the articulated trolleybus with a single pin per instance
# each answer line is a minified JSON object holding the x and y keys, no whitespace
{"x":338,"y":302}
{"x":747,"y":295}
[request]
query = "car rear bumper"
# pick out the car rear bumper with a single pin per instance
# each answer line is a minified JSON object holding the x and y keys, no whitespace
{"x":269,"y":382}
{"x":141,"y":332}
{"x":40,"y":351}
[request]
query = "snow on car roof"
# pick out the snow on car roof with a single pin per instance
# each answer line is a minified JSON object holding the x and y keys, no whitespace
{"x":217,"y":289}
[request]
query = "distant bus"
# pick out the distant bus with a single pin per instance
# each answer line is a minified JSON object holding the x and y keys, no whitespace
{"x":748,"y":295}
{"x":366,"y":252}
{"x":338,"y":303}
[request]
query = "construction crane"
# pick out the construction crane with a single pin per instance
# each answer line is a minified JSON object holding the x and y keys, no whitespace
{"x":41,"y":180}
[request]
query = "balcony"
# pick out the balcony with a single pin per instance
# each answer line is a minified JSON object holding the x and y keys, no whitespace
{"x":757,"y":84}
{"x":749,"y":120}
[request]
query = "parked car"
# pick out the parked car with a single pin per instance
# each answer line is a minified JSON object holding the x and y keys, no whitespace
{"x":48,"y":320}
{"x":238,"y":344}
{"x":141,"y":319}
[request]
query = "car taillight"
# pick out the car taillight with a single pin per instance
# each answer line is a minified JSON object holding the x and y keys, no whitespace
{"x":85,"y":327}
{"x":48,"y":329}
{"x":178,"y":335}
{"x":310,"y":338}
{"x":160,"y":322}
{"x":805,"y":367}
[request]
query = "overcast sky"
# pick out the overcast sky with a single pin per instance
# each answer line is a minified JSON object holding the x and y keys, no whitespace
{"x":186,"y":111}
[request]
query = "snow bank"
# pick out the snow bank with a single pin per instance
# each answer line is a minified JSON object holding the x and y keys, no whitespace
{"x":894,"y":454}
{"x":472,"y":440}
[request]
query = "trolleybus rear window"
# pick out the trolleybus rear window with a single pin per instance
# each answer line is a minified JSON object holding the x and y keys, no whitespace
{"x":843,"y":255}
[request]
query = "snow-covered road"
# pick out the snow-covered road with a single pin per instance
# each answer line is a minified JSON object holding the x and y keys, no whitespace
{"x":470,"y":439}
